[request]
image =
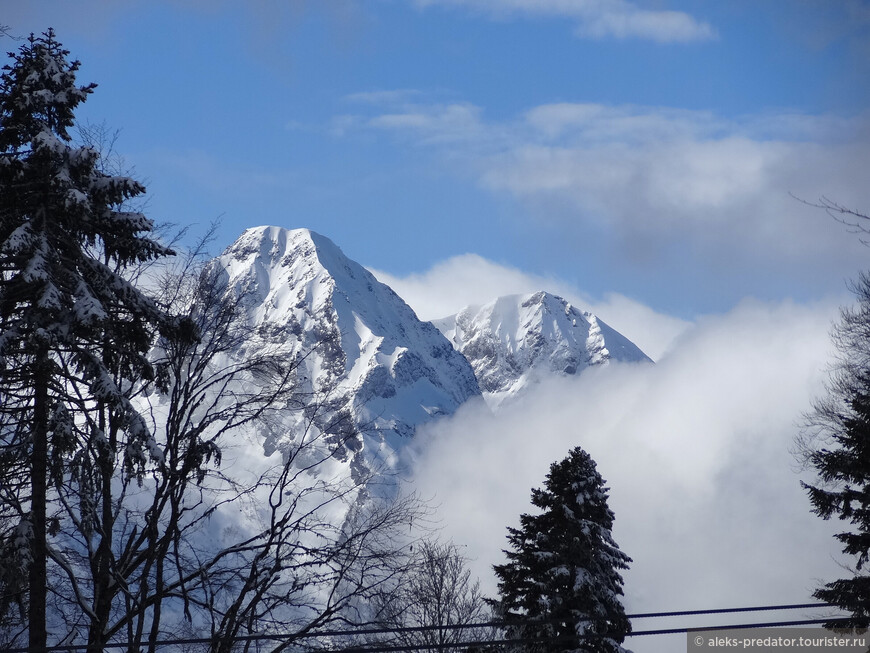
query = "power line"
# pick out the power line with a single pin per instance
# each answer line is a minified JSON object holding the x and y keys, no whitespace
{"x":684,"y":613}
{"x":771,"y":624}
{"x":492,"y":624}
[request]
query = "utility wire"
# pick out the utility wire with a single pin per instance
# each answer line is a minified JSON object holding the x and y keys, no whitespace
{"x":771,"y":624}
{"x":682,"y":613}
{"x":491,"y":624}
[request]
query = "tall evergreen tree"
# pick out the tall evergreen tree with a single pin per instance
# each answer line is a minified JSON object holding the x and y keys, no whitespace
{"x":71,"y":326}
{"x":561,"y":582}
{"x":838,"y":446}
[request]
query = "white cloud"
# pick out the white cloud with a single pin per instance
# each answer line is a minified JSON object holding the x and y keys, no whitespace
{"x":682,"y":183}
{"x":695,"y":450}
{"x":470,"y":279}
{"x":450,"y":123}
{"x":654,"y":176}
{"x":660,"y":26}
{"x":655,"y":333}
{"x":597,"y":123}
{"x":465,"y":280}
{"x":597,"y":19}
{"x":393,"y":96}
{"x":662,"y":171}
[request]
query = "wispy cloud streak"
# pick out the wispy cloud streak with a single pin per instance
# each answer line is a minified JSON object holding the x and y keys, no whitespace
{"x":596,"y":19}
{"x":655,"y":175}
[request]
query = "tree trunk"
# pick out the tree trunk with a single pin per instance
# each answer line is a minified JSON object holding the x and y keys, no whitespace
{"x":102,"y":563}
{"x":37,"y":632}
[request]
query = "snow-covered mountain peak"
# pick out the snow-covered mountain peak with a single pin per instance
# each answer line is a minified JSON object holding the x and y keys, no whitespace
{"x":391,"y":371}
{"x":515,"y":339}
{"x":274,"y":260}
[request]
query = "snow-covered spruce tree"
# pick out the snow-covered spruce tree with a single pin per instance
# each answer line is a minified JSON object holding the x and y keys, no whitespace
{"x":561,"y":584}
{"x":224,"y":554}
{"x":69,"y":322}
{"x":837,"y":444}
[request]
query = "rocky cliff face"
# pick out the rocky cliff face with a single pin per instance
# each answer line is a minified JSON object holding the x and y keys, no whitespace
{"x":365,"y":349}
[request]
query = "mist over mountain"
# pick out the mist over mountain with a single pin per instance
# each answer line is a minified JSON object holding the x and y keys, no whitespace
{"x":383,"y":371}
{"x":392,"y":371}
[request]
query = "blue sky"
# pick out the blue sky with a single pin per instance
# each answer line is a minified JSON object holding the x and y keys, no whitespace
{"x":644,"y":148}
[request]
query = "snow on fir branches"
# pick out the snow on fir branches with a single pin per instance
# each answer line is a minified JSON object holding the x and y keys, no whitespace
{"x":73,"y":331}
{"x":561,"y":584}
{"x":117,"y":522}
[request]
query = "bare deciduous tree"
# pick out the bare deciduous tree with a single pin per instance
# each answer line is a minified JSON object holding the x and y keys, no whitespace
{"x":136,"y":498}
{"x":217,"y":539}
{"x":437,"y":592}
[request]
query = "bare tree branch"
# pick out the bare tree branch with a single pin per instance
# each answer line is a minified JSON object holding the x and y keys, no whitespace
{"x":855,"y":221}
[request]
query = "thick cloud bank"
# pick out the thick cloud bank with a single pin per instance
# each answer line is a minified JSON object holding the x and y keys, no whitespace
{"x":696,"y":451}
